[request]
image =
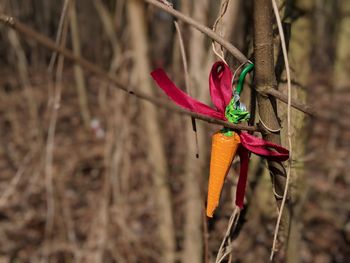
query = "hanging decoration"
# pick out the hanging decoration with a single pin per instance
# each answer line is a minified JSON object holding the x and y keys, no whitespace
{"x":226,"y":143}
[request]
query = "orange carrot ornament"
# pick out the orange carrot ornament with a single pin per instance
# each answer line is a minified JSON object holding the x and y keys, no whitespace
{"x":223,"y":151}
{"x":225,"y":143}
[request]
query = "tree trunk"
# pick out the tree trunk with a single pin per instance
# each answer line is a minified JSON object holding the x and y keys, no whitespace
{"x":340,"y":128}
{"x":299,"y":54}
{"x":342,"y":65}
{"x":193,"y":243}
{"x":265,"y":79}
{"x":156,"y":154}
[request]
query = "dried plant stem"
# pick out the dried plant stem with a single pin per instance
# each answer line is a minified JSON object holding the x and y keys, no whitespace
{"x":55,"y":104}
{"x":78,"y":71}
{"x":64,"y":13}
{"x":217,"y":27}
{"x":22,"y":65}
{"x":224,"y":250}
{"x":187,"y":81}
{"x":289,"y":133}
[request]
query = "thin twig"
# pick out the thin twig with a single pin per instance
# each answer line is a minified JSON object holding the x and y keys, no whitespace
{"x":187,"y":81}
{"x":223,"y":9}
{"x":184,"y":59}
{"x":224,"y":251}
{"x":93,"y":68}
{"x":50,"y":144}
{"x":294,"y":103}
{"x":78,"y":71}
{"x":22,"y":65}
{"x":289,"y":133}
{"x":59,"y":34}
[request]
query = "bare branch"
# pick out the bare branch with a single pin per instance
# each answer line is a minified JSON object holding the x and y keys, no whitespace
{"x":294,"y":103}
{"x":205,"y":30}
{"x":43,"y":40}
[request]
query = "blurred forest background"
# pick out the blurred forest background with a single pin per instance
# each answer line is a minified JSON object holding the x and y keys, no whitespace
{"x":91,"y":174}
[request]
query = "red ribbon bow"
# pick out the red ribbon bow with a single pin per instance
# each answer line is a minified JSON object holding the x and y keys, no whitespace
{"x":221,"y":93}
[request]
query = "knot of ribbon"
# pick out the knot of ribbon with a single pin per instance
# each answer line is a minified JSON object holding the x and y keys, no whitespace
{"x":220,"y":80}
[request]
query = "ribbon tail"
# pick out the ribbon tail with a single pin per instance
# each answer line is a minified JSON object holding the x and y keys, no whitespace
{"x":270,"y":151}
{"x":181,"y":98}
{"x":243,"y":175}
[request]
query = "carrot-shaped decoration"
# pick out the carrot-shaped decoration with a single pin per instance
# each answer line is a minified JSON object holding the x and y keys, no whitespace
{"x":226,"y":143}
{"x":223,"y":150}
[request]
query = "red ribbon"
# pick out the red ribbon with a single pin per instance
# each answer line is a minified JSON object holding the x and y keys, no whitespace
{"x":221,"y":93}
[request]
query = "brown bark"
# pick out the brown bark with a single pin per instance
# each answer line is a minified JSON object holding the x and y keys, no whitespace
{"x":339,"y":136}
{"x":265,"y":79}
